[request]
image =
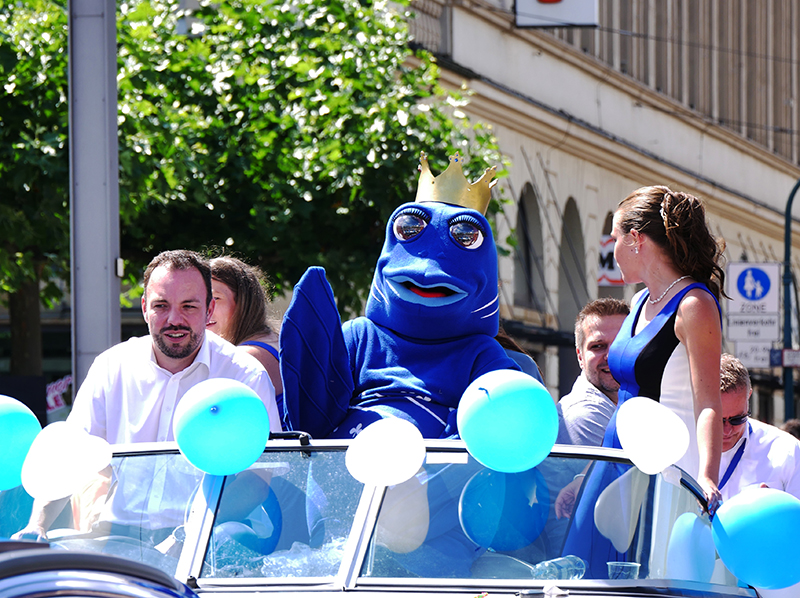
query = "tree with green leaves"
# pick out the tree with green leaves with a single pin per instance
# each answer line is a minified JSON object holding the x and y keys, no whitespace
{"x":34,"y":166}
{"x":286,"y":132}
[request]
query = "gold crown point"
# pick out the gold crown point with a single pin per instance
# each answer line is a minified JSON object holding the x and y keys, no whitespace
{"x":452,"y":187}
{"x":426,"y":179}
{"x":486,"y":178}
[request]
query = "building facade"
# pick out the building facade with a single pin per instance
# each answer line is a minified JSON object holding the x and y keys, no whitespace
{"x":700,"y":95}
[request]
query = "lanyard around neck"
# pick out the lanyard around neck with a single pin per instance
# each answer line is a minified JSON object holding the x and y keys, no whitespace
{"x":736,"y":458}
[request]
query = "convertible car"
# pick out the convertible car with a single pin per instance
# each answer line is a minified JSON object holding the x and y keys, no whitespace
{"x":151,"y":525}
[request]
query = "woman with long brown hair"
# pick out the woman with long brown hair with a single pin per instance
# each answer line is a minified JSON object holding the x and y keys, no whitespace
{"x":241,"y":314}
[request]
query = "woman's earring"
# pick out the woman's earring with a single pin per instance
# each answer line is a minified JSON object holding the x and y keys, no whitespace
{"x":636,"y":249}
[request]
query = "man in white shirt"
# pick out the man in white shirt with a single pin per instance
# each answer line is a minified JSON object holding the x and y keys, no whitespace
{"x":583,"y":414}
{"x":132,"y":389}
{"x":754,"y":453}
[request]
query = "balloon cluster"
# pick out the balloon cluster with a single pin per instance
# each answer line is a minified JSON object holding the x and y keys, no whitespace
{"x":509,"y":424}
{"x":506,"y":418}
{"x":755,"y":533}
{"x":221,"y":427}
{"x":49,"y":463}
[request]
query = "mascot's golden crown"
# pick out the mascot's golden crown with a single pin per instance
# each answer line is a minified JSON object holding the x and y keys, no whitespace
{"x":452,"y":187}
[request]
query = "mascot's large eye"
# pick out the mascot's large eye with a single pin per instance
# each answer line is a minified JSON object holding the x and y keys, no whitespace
{"x":467,"y":233}
{"x":408,"y":225}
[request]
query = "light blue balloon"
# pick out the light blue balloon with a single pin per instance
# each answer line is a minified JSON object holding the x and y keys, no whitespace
{"x":221,"y":426}
{"x":508,"y":420}
{"x":18,"y":427}
{"x":690,"y":553}
{"x":755,"y":533}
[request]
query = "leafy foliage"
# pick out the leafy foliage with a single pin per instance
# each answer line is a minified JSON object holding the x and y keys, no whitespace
{"x":34,"y":217}
{"x":286,"y":131}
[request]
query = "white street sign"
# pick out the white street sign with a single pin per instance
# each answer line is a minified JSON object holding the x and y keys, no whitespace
{"x":753,"y":288}
{"x":753,"y":355}
{"x":753,"y":311}
{"x":791,"y":358}
{"x":754,"y":328}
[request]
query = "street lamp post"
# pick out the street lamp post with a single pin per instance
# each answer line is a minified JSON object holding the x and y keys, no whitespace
{"x":788,"y":378}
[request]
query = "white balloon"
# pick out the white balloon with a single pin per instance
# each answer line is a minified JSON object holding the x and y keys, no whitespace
{"x":616,"y":512}
{"x":652,"y":436}
{"x":386,"y":452}
{"x":62,"y":459}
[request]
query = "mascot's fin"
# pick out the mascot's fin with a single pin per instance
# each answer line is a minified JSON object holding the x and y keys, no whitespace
{"x":315,"y":366}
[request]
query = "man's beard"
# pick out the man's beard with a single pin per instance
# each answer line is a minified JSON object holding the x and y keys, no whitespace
{"x":604,"y":382}
{"x":177,"y":351}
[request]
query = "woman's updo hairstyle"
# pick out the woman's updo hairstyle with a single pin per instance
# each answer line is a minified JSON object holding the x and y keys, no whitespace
{"x":676,"y":222}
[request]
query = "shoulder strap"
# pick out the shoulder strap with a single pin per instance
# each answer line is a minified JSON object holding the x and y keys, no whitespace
{"x":267,"y":347}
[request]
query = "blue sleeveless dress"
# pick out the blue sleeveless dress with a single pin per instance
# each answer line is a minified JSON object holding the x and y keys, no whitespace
{"x":649,"y":362}
{"x":652,"y":362}
{"x":274,"y":352}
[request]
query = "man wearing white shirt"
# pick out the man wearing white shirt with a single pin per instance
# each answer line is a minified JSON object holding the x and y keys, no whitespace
{"x":583,"y":414}
{"x":754,"y":453}
{"x":131,"y":390}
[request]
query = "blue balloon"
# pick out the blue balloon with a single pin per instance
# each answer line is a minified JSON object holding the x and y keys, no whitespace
{"x":508,"y":420}
{"x":259,"y":532}
{"x":504,"y":511}
{"x":18,"y":428}
{"x":267,"y":522}
{"x":221,"y":426}
{"x":690,"y":553}
{"x":755,"y":533}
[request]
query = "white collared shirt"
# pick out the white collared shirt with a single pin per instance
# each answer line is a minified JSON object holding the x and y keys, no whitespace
{"x":771,"y":456}
{"x":583,"y":414}
{"x":127,"y":397}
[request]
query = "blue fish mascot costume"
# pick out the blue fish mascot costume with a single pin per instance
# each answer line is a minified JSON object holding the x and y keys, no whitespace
{"x":429,"y":324}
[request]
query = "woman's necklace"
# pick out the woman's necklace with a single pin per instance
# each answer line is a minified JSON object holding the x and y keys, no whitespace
{"x":654,"y":301}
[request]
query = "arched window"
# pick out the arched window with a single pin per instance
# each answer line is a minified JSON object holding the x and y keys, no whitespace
{"x":573,"y":291}
{"x":529,"y":286}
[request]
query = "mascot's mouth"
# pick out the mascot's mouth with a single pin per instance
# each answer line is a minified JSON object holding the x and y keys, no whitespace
{"x":429,"y":293}
{"x":435,"y":295}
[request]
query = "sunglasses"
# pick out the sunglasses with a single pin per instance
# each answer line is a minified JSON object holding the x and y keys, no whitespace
{"x":736,"y":420}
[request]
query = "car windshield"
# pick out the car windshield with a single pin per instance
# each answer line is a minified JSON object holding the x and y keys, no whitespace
{"x":297,"y":516}
{"x":129,"y":509}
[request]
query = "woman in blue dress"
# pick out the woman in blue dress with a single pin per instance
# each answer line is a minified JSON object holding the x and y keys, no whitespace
{"x":669,"y":347}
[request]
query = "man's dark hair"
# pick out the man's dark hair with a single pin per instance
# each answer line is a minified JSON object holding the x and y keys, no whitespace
{"x":604,"y":306}
{"x":181,"y":259}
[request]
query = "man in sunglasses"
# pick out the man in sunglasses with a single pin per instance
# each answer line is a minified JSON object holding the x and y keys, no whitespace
{"x":754,"y":453}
